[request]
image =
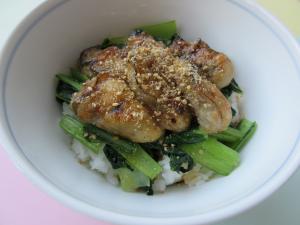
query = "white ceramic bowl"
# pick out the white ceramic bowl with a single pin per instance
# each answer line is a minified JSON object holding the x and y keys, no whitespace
{"x":49,"y":40}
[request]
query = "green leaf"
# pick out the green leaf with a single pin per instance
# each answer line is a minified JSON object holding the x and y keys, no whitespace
{"x":114,"y":41}
{"x":213,"y":155}
{"x":232,"y":87}
{"x":77,"y":75}
{"x":64,"y":92}
{"x":187,"y":137}
{"x":247,"y":129}
{"x":75,"y":129}
{"x":228,"y":135}
{"x":180,"y":161}
{"x":134,"y":154}
{"x":116,"y":160}
{"x":70,"y":81}
{"x":165,"y":30}
{"x":132,"y":180}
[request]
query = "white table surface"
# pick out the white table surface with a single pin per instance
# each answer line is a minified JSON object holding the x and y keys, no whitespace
{"x":283,"y":207}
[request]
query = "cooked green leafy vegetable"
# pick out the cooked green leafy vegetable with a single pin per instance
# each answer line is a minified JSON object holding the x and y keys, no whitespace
{"x":164,"y":31}
{"x":132,"y":180}
{"x":229,"y":135}
{"x":116,"y":160}
{"x":68,"y":84}
{"x":186,"y":137}
{"x":132,"y":152}
{"x":154,"y":149}
{"x":148,"y":189}
{"x":247,"y":129}
{"x":75,"y":128}
{"x":118,"y":143}
{"x":64,"y":92}
{"x":180,"y":161}
{"x":153,"y":146}
{"x":232,"y":87}
{"x":70,"y":81}
{"x":77,"y":75}
{"x":114,"y":41}
{"x":213,"y":155}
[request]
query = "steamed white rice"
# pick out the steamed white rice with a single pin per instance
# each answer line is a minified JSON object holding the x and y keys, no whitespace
{"x":236,"y":100}
{"x":97,"y":162}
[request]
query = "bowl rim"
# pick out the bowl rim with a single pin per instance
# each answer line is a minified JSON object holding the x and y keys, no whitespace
{"x":28,"y":169}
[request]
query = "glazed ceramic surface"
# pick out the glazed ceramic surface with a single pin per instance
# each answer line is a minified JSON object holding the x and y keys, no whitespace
{"x":50,"y":40}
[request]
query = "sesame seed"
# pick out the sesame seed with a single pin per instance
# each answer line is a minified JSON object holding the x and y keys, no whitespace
{"x":157,"y":113}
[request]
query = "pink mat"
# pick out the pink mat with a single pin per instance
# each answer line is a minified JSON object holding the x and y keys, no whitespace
{"x":24,"y":204}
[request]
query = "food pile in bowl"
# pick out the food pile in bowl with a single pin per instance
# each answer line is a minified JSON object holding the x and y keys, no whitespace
{"x":152,"y":110}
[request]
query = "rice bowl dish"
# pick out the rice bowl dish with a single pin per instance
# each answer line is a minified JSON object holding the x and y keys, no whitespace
{"x":152,"y":110}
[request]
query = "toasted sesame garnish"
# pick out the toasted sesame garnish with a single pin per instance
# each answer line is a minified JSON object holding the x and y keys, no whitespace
{"x":115,"y":104}
{"x":157,"y":113}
